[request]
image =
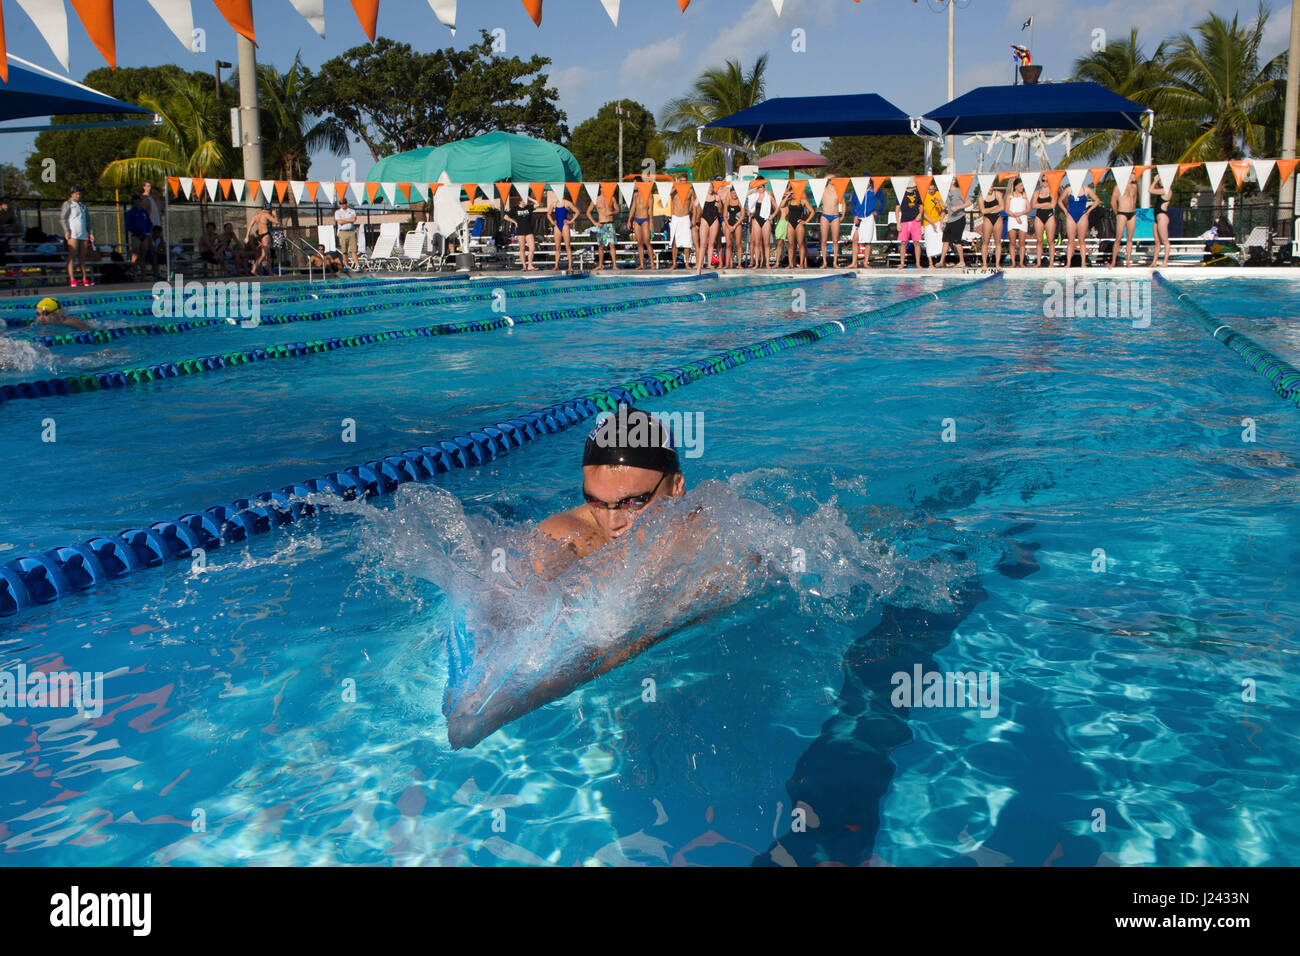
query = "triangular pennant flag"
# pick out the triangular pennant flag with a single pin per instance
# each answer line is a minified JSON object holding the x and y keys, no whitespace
{"x":741,"y":186}
{"x":359,"y":191}
{"x":521,"y":189}
{"x":701,"y":192}
{"x":879,"y":182}
{"x":313,"y":187}
{"x":469,"y":189}
{"x":1184,"y":168}
{"x":557,"y":189}
{"x":1168,"y":173}
{"x":592,"y":190}
{"x":179,"y":17}
{"x":1215,"y":171}
{"x":1004,"y":176}
{"x":313,"y":11}
{"x":237,"y":189}
{"x":268,"y":188}
{"x":839,"y":184}
{"x":665,"y":190}
{"x":445,"y":11}
{"x":225,"y":187}
{"x":1030,"y":179}
{"x":986,"y":183}
{"x":923,"y":184}
{"x":298,"y":188}
{"x":776,"y":5}
{"x":281,"y":186}
{"x":1076,"y":180}
{"x":187,"y":186}
{"x":1098,"y":172}
{"x":964,"y":181}
{"x":4,"y":55}
{"x":607,"y":190}
{"x":97,"y":17}
{"x":573,"y":190}
{"x":1263,"y":169}
{"x":367,"y":12}
{"x":779,"y":187}
{"x":611,"y":7}
{"x":486,"y":190}
{"x":211,"y":186}
{"x":900,"y":184}
{"x":818,"y":187}
{"x":1122,"y":176}
{"x":198,"y":184}
{"x":404,"y":193}
{"x":860,"y":187}
{"x":1285,"y":167}
{"x":173,"y":183}
{"x":1054,"y":177}
{"x":503,"y":190}
{"x":372,"y":190}
{"x":625,"y":190}
{"x":239,"y":14}
{"x":1239,"y":169}
{"x":51,"y":21}
{"x":683,"y":4}
{"x":943,"y":181}
{"x":254,"y":185}
{"x":799,"y":187}
{"x":432,"y":191}
{"x":329,"y":193}
{"x":537,"y":190}
{"x":682,"y":189}
{"x":534,"y":8}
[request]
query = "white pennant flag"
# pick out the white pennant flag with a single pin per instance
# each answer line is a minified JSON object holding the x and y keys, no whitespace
{"x":777,"y":5}
{"x":1263,"y":169}
{"x":611,"y":7}
{"x":327,"y":190}
{"x":358,"y":191}
{"x":1122,"y":175}
{"x":179,"y":18}
{"x":390,"y":192}
{"x":626,"y":190}
{"x":237,"y":189}
{"x":943,"y":182}
{"x":267,"y":186}
{"x":701,"y":192}
{"x":211,"y":186}
{"x":313,"y":11}
{"x":900,"y":184}
{"x":741,"y":186}
{"x":1168,"y":173}
{"x":1076,"y":180}
{"x":860,"y":184}
{"x":488,"y":190}
{"x":445,"y":11}
{"x":187,"y":186}
{"x":593,"y":191}
{"x":522,"y":190}
{"x":299,"y":189}
{"x":986,"y":183}
{"x":778,"y":190}
{"x":1215,"y":171}
{"x":557,"y":190}
{"x":818,"y":188}
{"x":1031,"y":182}
{"x":51,"y":20}
{"x":665,"y":190}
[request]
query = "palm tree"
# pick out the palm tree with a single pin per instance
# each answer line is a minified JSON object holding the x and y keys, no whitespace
{"x":717,"y":93}
{"x":1218,"y":100}
{"x":289,"y":134}
{"x":1123,"y":68}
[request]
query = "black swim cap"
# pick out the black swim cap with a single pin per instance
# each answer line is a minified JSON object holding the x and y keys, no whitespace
{"x":634,"y":439}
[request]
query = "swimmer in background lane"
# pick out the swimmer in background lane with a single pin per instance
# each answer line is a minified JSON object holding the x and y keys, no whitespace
{"x":48,"y":312}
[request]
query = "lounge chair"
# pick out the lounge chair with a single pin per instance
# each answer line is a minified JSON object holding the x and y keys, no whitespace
{"x":381,"y":256}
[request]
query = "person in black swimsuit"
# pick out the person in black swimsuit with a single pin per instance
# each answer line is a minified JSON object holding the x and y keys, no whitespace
{"x":523,"y":221}
{"x":1044,"y":206}
{"x":991,"y":228}
{"x":260,"y":226}
{"x":797,"y":231}
{"x":710,"y":226}
{"x":731,"y":227}
{"x":1160,"y":194}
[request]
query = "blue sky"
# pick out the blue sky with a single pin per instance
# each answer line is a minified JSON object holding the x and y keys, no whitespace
{"x":893,"y":47}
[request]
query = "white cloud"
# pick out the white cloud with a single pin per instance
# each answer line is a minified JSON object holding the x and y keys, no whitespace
{"x":749,"y":35}
{"x":649,"y":64}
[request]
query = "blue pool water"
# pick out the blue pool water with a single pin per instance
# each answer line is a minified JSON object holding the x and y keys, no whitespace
{"x":283,"y":705}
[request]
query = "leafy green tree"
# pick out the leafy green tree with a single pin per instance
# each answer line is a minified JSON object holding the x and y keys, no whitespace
{"x":13,"y":182}
{"x":81,"y":155}
{"x":290,"y":132}
{"x":718,"y":92}
{"x":393,"y":99}
{"x":595,"y":141}
{"x":874,"y":155}
{"x":1123,"y":68}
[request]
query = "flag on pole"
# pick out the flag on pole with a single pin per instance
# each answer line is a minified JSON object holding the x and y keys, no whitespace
{"x":1026,"y":25}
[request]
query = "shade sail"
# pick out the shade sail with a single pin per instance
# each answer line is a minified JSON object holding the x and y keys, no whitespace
{"x":1037,"y":106}
{"x":35,"y":91}
{"x":490,"y":158}
{"x":802,"y":117}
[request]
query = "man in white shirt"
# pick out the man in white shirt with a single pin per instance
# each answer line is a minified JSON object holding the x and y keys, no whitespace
{"x":345,"y":221}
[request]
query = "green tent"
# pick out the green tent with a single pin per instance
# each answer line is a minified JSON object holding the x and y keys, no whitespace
{"x":490,"y":158}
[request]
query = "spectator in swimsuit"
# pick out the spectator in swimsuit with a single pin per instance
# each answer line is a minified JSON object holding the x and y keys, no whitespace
{"x":601,"y":214}
{"x":909,"y":225}
{"x":522,"y":220}
{"x":1044,"y":223}
{"x":798,"y":215}
{"x":732,"y":226}
{"x":1077,"y":207}
{"x":1018,"y":222}
{"x":259,"y":227}
{"x":76,"y":230}
{"x":831,"y":213}
{"x":1160,"y":196}
{"x":640,"y":212}
{"x":710,"y":227}
{"x":682,"y":206}
{"x":758,"y":210}
{"x":561,"y":216}
{"x":932,"y":213}
{"x":991,"y":228}
{"x":1124,"y":202}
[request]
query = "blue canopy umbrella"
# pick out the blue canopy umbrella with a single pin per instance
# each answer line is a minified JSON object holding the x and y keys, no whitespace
{"x":802,"y":117}
{"x":35,"y":91}
{"x":1037,"y":106}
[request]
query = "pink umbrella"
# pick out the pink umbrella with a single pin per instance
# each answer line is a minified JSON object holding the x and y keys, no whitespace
{"x":792,"y":159}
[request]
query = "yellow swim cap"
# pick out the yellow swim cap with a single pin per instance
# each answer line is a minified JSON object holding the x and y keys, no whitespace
{"x":48,"y":305}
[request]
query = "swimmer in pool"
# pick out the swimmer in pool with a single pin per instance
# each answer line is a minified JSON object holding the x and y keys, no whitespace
{"x":48,"y":312}
{"x":628,"y":464}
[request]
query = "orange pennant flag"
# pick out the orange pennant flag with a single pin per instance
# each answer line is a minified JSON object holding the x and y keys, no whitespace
{"x":607,"y":190}
{"x":372,"y":190}
{"x":340,"y":190}
{"x":1054,"y":177}
{"x":963,"y":183}
{"x":1004,"y":176}
{"x":839,"y":184}
{"x":1139,"y":170}
{"x":223,"y":187}
{"x":534,"y":8}
{"x":368,"y":14}
{"x":174,"y":183}
{"x":312,"y":187}
{"x":239,"y":14}
{"x":537,"y":189}
{"x":682,"y":190}
{"x":433,"y":188}
{"x":683,"y":4}
{"x":199,"y":182}
{"x":97,"y":17}
{"x":878,"y":182}
{"x":281,"y":187}
{"x":253,"y":185}
{"x":573,"y":189}
{"x":1097,"y":173}
{"x":503,"y":190}
{"x":470,"y":191}
{"x":4,"y":56}
{"x":1285,"y":167}
{"x":643,"y":190}
{"x":798,"y":187}
{"x":923,"y":184}
{"x":1184,"y":167}
{"x":405,"y":190}
{"x":1239,"y":168}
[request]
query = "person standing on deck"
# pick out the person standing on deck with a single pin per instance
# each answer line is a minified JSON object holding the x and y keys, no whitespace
{"x":603,"y":220}
{"x":76,"y":230}
{"x":832,"y":212}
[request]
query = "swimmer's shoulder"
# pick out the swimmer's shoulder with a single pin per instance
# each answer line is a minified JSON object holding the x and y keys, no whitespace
{"x":569,"y":527}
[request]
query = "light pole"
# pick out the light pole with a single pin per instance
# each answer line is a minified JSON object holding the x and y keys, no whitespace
{"x":951,"y":144}
{"x":618,"y":111}
{"x":1286,"y":195}
{"x":250,"y":124}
